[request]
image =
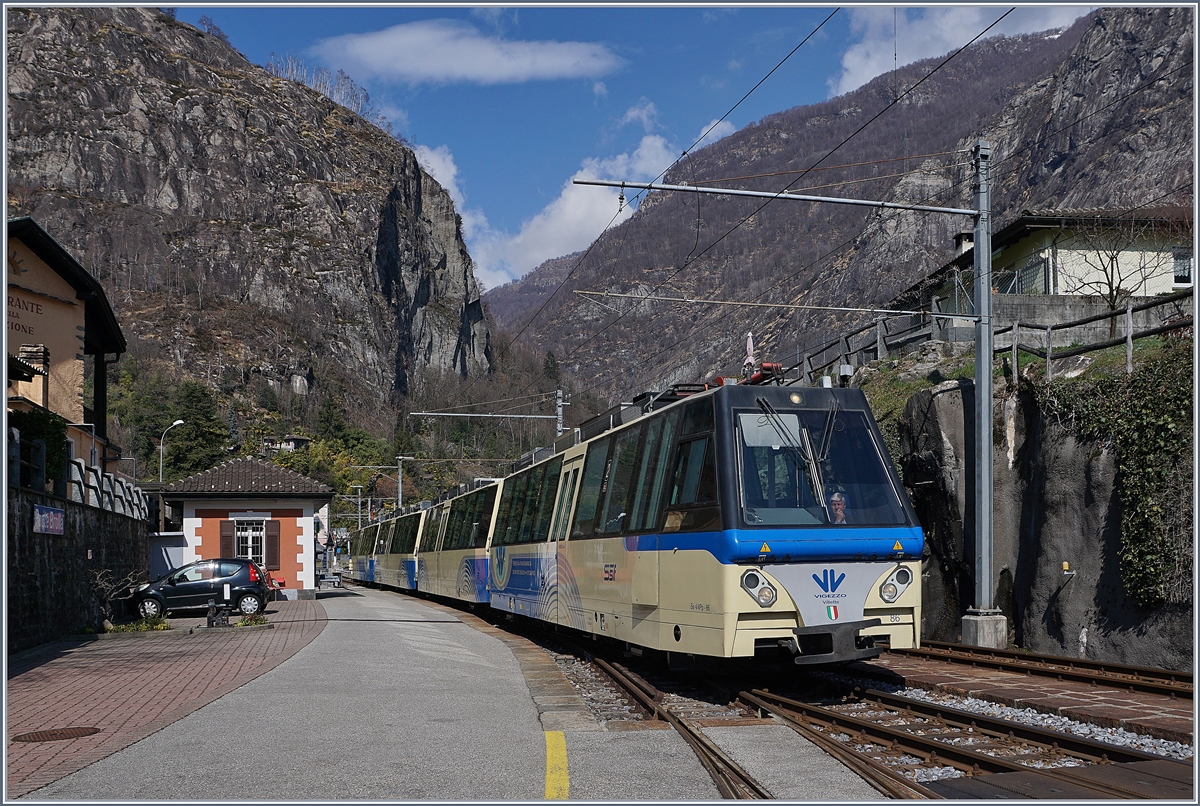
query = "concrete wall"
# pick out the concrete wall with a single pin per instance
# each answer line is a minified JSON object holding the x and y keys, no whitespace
{"x":49,"y":590}
{"x":1054,"y":501}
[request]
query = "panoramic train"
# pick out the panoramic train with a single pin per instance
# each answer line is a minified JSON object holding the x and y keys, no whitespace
{"x":737,"y":521}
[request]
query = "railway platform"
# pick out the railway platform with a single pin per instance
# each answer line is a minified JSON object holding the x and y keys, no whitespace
{"x":427,"y":703}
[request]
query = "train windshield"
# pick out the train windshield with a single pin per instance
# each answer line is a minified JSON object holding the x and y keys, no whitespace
{"x":812,"y":468}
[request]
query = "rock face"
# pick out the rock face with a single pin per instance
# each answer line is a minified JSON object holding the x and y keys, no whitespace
{"x":241,"y":222}
{"x":1055,"y":501}
{"x":1099,"y":115}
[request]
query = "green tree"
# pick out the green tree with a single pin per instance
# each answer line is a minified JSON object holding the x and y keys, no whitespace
{"x":201,"y":442}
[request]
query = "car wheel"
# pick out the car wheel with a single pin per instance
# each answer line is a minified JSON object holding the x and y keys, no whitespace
{"x":249,"y":604}
{"x":150,"y":608}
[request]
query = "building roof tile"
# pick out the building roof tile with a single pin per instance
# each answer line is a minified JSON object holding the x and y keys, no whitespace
{"x":249,"y":477}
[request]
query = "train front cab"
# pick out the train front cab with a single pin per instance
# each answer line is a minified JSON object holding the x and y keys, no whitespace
{"x":641,"y":549}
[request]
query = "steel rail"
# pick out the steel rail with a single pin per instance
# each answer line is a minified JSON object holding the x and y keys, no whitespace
{"x":933,"y":750}
{"x":731,"y":780}
{"x":958,"y":654}
{"x":1080,"y":746}
{"x":880,"y":776}
{"x":1144,"y":672}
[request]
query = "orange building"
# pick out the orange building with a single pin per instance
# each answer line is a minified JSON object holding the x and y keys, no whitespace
{"x":257,"y":510}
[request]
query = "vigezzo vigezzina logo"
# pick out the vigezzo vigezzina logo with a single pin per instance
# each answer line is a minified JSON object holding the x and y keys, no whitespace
{"x":828,"y":581}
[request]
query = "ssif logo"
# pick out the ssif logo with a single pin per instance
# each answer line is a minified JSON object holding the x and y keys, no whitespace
{"x":501,"y":568}
{"x":610,"y":572}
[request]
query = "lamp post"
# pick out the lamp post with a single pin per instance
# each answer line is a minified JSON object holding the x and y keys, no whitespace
{"x":400,"y":481}
{"x":162,"y":448}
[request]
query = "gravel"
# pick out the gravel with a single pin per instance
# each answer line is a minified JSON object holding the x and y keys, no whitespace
{"x":1028,"y":716}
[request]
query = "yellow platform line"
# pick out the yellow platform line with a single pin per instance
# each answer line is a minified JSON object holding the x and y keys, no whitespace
{"x":558,"y":784}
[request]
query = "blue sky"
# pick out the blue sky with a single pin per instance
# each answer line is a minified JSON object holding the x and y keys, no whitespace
{"x":504,"y":106}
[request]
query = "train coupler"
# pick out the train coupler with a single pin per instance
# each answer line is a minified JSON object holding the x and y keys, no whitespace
{"x":835,"y":643}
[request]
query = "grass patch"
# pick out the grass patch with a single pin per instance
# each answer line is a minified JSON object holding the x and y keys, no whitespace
{"x":156,"y":623}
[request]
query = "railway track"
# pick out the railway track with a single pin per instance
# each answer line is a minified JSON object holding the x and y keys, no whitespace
{"x":943,"y":752}
{"x":1113,"y":675}
{"x":731,"y":780}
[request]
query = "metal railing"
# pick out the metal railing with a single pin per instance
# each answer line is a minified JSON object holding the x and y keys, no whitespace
{"x":878,"y":339}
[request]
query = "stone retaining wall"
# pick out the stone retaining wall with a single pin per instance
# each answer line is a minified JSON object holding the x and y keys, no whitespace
{"x":49,"y":588}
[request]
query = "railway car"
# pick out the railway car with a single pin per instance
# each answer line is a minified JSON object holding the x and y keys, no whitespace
{"x":739,"y":521}
{"x":452,"y":558}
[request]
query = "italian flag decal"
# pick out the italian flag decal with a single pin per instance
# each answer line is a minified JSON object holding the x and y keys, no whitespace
{"x":831,"y":611}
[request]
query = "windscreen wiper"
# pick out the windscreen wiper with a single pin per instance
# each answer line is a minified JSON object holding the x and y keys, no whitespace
{"x":802,"y":448}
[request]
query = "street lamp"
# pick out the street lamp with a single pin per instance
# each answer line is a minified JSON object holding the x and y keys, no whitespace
{"x":400,"y":481}
{"x":162,"y":445}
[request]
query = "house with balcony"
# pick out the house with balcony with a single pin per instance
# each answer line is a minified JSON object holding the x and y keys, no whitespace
{"x":1064,"y":265}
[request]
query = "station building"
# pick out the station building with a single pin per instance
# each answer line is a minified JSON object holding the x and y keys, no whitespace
{"x":252,"y":509}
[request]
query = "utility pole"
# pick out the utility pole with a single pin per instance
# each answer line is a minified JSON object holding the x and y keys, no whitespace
{"x":983,"y":625}
{"x":400,"y":481}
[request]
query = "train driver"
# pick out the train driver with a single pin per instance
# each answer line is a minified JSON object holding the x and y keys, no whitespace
{"x":837,"y":508}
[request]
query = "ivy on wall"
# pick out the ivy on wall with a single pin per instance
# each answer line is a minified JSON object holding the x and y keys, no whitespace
{"x":1147,"y":418}
{"x":48,"y":427}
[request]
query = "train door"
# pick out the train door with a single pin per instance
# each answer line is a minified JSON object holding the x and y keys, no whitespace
{"x":567,"y":610}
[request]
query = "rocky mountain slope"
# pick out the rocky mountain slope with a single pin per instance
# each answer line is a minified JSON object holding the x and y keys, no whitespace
{"x":242,"y":225}
{"x":1099,"y":115}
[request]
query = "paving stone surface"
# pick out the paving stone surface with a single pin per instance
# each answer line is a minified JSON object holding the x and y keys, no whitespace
{"x":1149,"y":714}
{"x":130,"y":685}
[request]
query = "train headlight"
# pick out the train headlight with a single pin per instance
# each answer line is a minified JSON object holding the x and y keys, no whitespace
{"x":759,"y":589}
{"x":896,"y":583}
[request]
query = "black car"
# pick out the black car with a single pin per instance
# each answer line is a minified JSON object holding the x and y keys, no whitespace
{"x":237,"y":582}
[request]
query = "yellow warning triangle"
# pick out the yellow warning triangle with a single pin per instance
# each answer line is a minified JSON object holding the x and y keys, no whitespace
{"x":765,"y":549}
{"x":898,"y":546}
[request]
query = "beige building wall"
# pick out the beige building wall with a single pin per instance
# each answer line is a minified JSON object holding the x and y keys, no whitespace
{"x":42,"y":310}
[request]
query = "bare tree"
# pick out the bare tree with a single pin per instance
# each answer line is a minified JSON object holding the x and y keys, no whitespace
{"x":108,"y":588}
{"x":1118,"y":258}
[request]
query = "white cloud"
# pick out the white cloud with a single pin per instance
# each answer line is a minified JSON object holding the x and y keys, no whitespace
{"x":439,"y":163}
{"x":449,"y":51}
{"x":714,"y":131}
{"x":573,"y":220}
{"x":924,"y":33}
{"x":644,"y":112}
{"x":600,"y":89}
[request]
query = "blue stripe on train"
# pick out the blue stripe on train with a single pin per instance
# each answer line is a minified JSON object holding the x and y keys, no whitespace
{"x":791,"y":545}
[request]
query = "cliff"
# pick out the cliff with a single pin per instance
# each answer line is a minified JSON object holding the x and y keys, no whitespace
{"x":242,"y":225}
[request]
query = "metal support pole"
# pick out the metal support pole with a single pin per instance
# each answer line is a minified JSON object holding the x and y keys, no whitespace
{"x":1049,"y":347}
{"x":881,"y":352}
{"x":558,"y":413}
{"x":983,"y":625}
{"x":1129,"y":338}
{"x":1016,"y":337}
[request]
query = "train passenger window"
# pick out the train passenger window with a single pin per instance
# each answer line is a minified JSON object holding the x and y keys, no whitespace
{"x":483,"y":516}
{"x":529,"y":508}
{"x":695,"y":474}
{"x":594,"y":473}
{"x":406,"y":534}
{"x":652,"y":478}
{"x":564,"y":507}
{"x":698,"y":417}
{"x":508,"y":523}
{"x":614,"y":512}
{"x":541,"y":530}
